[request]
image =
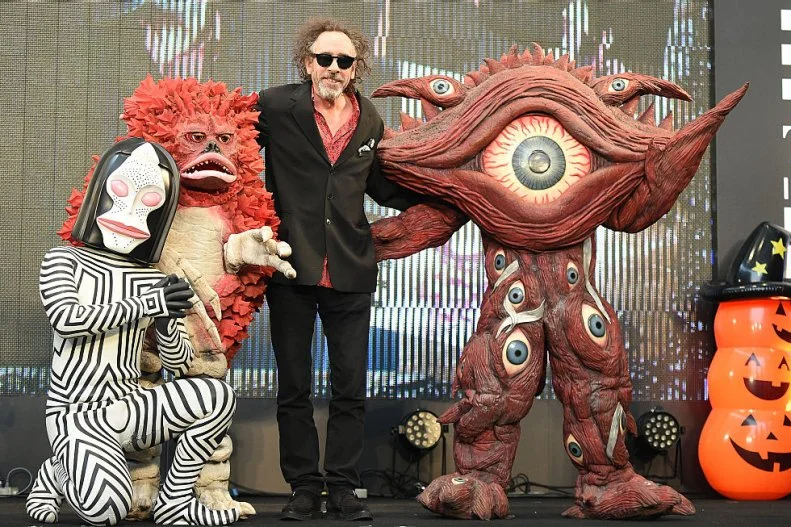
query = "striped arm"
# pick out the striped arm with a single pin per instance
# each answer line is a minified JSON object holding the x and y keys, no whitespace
{"x":69,"y":318}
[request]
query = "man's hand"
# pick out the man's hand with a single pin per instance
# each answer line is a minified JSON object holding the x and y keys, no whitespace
{"x":257,"y":247}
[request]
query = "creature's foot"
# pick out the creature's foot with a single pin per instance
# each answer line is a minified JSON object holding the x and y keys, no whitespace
{"x":219,"y":498}
{"x":466,"y":497}
{"x":189,"y":511}
{"x":43,"y":502}
{"x":624,"y":495}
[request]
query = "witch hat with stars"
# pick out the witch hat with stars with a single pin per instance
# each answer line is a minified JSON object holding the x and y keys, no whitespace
{"x":759,"y":269}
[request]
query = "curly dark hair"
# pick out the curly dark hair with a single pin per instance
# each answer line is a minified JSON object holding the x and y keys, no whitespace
{"x":311,"y":30}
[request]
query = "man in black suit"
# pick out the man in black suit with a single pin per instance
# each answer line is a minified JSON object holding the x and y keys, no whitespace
{"x":320,"y":141}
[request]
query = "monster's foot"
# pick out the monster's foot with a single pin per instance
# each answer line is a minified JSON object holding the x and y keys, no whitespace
{"x":466,"y":497}
{"x":220,"y":498}
{"x":43,"y":502}
{"x":624,"y":495}
{"x":189,"y":511}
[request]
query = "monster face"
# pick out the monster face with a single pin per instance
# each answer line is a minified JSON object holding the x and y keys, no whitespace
{"x":130,"y":201}
{"x":137,"y":188}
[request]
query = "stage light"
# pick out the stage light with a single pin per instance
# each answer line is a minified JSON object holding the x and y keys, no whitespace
{"x":658,"y":430}
{"x":420,"y":430}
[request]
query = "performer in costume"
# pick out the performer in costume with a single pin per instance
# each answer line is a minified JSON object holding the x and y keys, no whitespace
{"x":100,"y":300}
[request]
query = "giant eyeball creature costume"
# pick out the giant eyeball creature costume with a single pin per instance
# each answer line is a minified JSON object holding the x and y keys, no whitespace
{"x":539,"y":154}
{"x":100,"y":299}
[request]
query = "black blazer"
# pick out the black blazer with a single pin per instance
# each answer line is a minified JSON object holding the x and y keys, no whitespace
{"x":320,"y":205}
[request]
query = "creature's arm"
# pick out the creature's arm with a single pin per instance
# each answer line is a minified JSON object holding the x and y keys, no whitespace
{"x":174,"y":345}
{"x":417,"y":228}
{"x":69,"y":318}
{"x":653,"y":197}
{"x":257,"y":247}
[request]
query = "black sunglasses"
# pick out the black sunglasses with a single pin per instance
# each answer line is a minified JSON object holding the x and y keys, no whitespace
{"x":325,"y":59}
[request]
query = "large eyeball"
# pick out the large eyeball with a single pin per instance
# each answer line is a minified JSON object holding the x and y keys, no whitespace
{"x":574,"y":450}
{"x":458,"y":481}
{"x":572,"y":273}
{"x":516,"y":352}
{"x":618,"y":85}
{"x":442,"y":87}
{"x":595,"y":324}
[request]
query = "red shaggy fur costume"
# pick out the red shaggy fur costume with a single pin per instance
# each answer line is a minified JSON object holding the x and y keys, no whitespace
{"x":166,"y":112}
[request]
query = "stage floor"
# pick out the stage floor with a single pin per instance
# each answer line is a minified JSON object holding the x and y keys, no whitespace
{"x":530,"y":511}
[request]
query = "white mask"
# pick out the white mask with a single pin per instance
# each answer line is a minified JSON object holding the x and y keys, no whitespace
{"x":137,"y":188}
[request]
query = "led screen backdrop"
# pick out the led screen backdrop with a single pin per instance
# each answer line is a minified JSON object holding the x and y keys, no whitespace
{"x":67,"y":66}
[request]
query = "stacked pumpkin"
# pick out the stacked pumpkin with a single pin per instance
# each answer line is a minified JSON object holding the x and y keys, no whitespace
{"x":745,"y":445}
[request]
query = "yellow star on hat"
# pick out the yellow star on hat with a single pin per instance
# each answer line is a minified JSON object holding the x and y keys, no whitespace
{"x":778,"y":247}
{"x":760,"y":268}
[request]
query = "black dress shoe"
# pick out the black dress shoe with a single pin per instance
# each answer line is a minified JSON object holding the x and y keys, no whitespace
{"x":303,"y":505}
{"x":343,"y":504}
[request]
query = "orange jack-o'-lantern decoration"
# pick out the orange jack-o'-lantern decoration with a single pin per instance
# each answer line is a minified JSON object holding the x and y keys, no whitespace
{"x":745,"y":446}
{"x":752,"y":366}
{"x":746,"y":455}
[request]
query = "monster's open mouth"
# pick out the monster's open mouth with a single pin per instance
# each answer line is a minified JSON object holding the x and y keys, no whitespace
{"x":781,"y":459}
{"x":209,"y":171}
{"x":123,"y":229}
{"x":765,"y":390}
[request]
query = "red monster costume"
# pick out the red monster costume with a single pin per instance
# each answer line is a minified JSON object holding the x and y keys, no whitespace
{"x":538,"y":154}
{"x":222,"y":238}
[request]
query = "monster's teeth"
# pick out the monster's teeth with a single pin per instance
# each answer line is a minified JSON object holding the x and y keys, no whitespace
{"x":408,"y":122}
{"x":429,"y":110}
{"x":648,"y":115}
{"x":630,"y":106}
{"x":667,"y":122}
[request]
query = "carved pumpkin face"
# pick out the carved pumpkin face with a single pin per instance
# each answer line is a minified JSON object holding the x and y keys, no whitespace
{"x":752,"y":366}
{"x":746,"y":454}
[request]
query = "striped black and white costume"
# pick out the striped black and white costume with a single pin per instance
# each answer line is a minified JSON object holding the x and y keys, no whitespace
{"x":100,"y":305}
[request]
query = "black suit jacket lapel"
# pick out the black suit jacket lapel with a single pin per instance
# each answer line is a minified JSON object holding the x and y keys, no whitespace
{"x":302,"y":111}
{"x":361,"y":134}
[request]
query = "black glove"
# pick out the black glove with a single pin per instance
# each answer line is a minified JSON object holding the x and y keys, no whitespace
{"x":177,"y":294}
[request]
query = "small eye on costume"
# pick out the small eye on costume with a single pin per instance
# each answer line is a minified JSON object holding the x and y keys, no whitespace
{"x":119,"y":187}
{"x":151,"y":199}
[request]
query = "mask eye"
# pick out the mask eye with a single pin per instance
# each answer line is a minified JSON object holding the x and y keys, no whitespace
{"x":574,"y":450}
{"x":224,"y":138}
{"x":119,"y":188}
{"x":151,"y":199}
{"x":197,"y":137}
{"x":536,"y":158}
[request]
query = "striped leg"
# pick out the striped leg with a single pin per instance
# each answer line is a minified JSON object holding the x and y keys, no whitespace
{"x":91,"y":469}
{"x":43,"y":502}
{"x":198,"y":412}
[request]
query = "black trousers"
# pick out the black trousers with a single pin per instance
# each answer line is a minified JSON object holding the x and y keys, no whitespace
{"x":346,"y":318}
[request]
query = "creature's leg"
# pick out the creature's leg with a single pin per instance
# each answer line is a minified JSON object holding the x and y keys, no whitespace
{"x":591,"y":379}
{"x":499,"y":373}
{"x":198,"y":412}
{"x":43,"y":502}
{"x":90,"y":467}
